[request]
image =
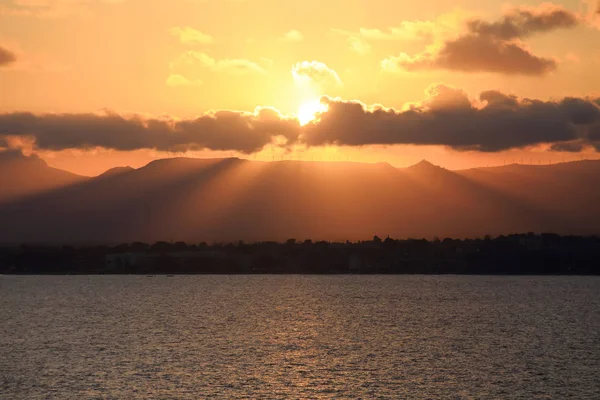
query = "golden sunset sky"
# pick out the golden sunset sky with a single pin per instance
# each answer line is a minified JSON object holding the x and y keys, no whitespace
{"x":87,"y":84}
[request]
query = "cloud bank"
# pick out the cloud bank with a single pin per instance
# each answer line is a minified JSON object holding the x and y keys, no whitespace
{"x":221,"y":130}
{"x":493,"y":46}
{"x":447,"y":116}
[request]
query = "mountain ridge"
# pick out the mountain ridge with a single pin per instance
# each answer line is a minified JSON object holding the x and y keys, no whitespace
{"x":230,"y":199}
{"x":423,"y":164}
{"x":22,"y":175}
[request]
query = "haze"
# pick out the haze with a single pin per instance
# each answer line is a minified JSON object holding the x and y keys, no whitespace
{"x":262,"y":119}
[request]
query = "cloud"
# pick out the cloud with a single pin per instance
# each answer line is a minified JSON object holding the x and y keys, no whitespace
{"x":356,"y":42}
{"x":522,"y":22}
{"x":6,"y":56}
{"x":220,"y":130}
{"x":235,"y":66}
{"x":447,"y":116}
{"x":593,"y":13}
{"x":492,"y":46}
{"x":360,"y":41}
{"x":443,"y":25}
{"x":475,"y":53}
{"x":359,"y":46}
{"x":191,"y":36}
{"x":571,"y":147}
{"x":315,"y":73}
{"x":292,"y":36}
{"x":177,"y":80}
{"x":408,"y":30}
{"x":192,"y":57}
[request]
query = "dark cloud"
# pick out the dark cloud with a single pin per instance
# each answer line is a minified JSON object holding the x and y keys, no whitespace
{"x":6,"y":56}
{"x":502,"y":122}
{"x":582,"y":111}
{"x":523,"y":22}
{"x":223,"y":130}
{"x":494,"y":46}
{"x":475,"y":53}
{"x":571,"y":147}
{"x":447,"y":117}
{"x":499,"y":99}
{"x":594,"y":135}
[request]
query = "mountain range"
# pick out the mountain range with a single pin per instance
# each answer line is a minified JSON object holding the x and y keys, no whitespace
{"x":233,"y":199}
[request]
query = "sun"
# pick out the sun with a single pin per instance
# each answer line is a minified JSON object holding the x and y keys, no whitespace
{"x":307,"y":112}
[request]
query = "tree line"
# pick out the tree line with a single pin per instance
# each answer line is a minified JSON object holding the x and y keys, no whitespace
{"x":532,"y":254}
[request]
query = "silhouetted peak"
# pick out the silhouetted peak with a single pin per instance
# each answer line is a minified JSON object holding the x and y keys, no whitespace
{"x":384,"y":164}
{"x":116,"y":171}
{"x":424,"y":166}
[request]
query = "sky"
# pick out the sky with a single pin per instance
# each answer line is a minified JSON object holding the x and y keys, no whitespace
{"x":92,"y":84}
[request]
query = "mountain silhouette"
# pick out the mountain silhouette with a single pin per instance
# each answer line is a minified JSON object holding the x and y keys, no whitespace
{"x":234,"y":199}
{"x":22,"y":175}
{"x":116,"y":171}
{"x":424,"y":167}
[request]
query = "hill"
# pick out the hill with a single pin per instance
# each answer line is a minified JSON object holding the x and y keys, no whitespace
{"x":22,"y":176}
{"x":232,"y":199}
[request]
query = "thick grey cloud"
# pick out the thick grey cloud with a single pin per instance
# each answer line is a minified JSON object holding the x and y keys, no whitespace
{"x":447,"y":117}
{"x":494,"y":46}
{"x":502,"y":122}
{"x":223,"y":130}
{"x":524,"y":22}
{"x":571,"y":147}
{"x":475,"y":53}
{"x":6,"y":56}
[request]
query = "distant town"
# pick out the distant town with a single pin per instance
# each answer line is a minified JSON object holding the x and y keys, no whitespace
{"x":517,"y":254}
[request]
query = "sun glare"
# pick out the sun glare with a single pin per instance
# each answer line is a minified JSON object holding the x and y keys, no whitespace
{"x":307,"y":112}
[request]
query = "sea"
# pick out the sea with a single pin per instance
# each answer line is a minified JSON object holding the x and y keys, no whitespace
{"x":299,"y":337}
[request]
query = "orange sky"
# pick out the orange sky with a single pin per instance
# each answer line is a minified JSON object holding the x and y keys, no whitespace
{"x":184,"y":58}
